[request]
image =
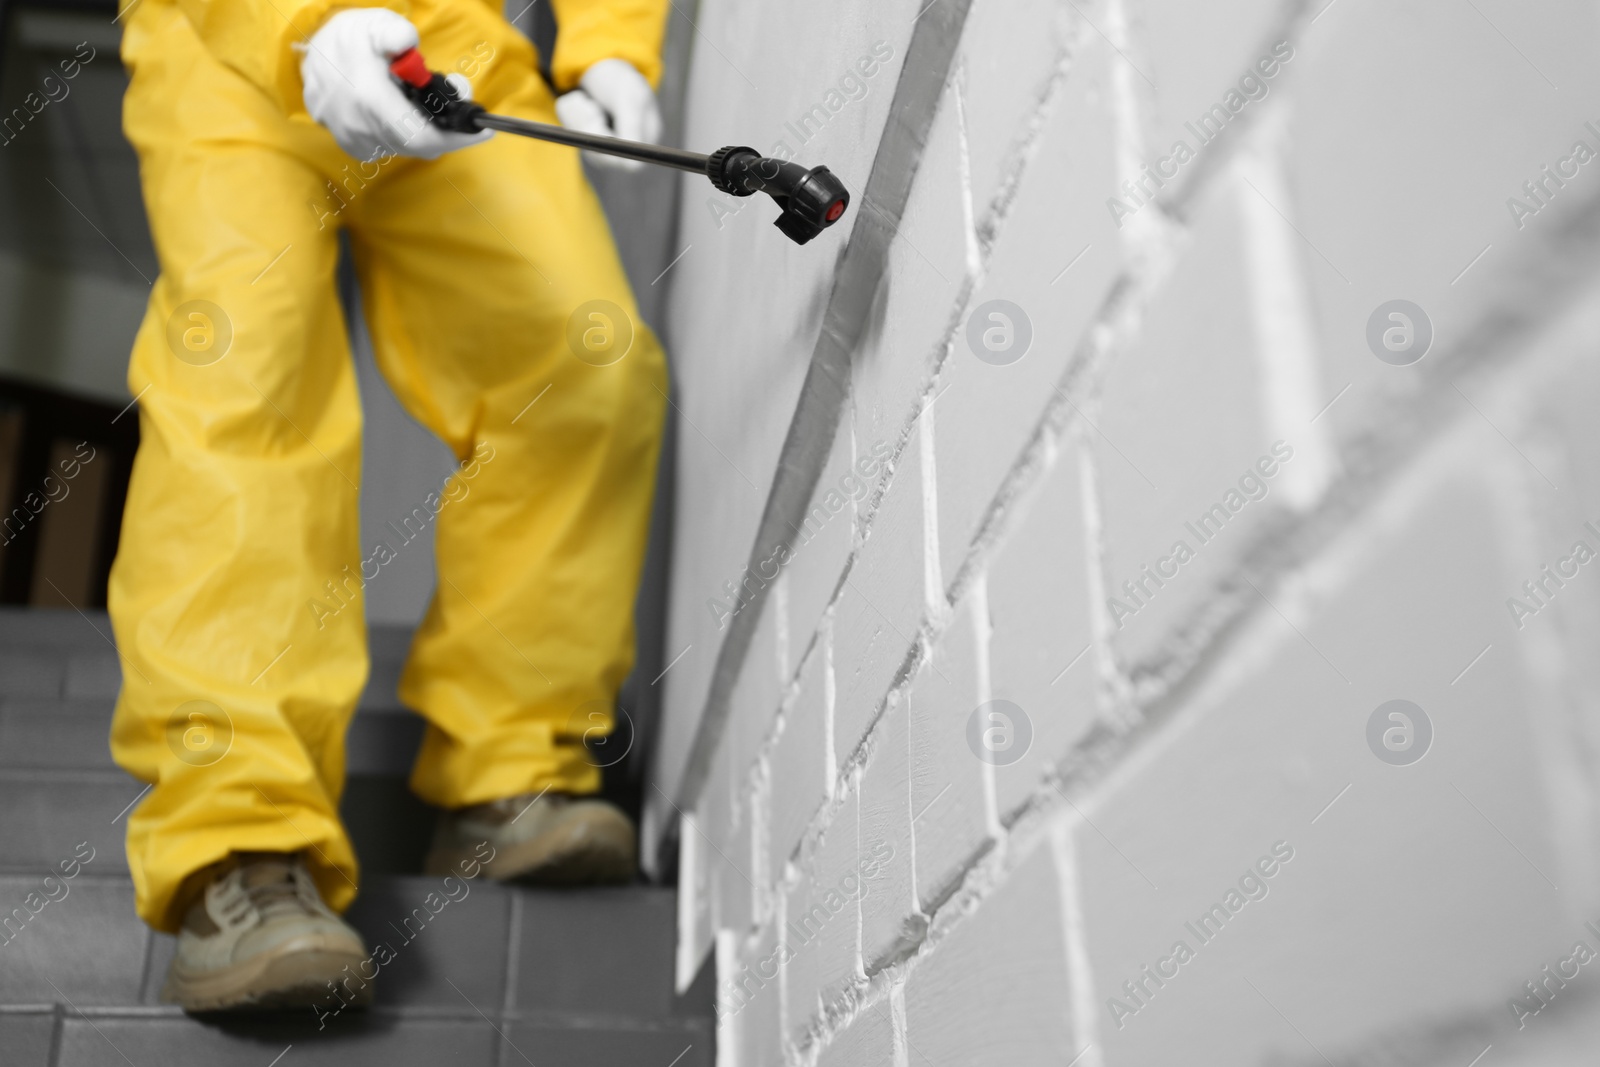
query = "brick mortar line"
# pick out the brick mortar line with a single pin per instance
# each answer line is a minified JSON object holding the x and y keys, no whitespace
{"x":1346,"y":499}
{"x":1020,"y":153}
{"x":990,"y":871}
{"x":1377,"y":454}
{"x":1105,"y":749}
{"x":814,"y":425}
{"x":1342,"y":502}
{"x":1119,"y":314}
{"x":1094,"y":347}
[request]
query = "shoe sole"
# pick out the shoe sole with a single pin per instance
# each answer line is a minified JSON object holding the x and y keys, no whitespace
{"x":598,"y":855}
{"x":284,"y":980}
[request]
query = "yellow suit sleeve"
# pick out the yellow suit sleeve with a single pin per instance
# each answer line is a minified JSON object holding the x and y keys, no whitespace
{"x":256,"y":38}
{"x":588,"y":31}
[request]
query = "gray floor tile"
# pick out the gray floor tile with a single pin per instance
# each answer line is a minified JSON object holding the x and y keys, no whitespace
{"x":36,"y":733}
{"x":26,"y":1037}
{"x":94,"y":674}
{"x":57,"y":628}
{"x":30,"y":673}
{"x":383,"y":742}
{"x":678,"y":1044}
{"x":584,"y":948}
{"x":455,"y":958}
{"x":47,"y":813}
{"x":387,"y":647}
{"x":381,"y":1039}
{"x":86,"y":948}
{"x":389,"y":827}
{"x":160,"y":952}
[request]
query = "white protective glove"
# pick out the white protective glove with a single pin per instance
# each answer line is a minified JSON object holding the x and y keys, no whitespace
{"x":613,"y":99}
{"x":348,"y":88}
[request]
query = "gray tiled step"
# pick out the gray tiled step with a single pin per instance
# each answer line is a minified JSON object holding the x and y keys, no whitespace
{"x":376,"y":1037}
{"x":594,"y":952}
{"x":61,"y":629}
{"x":49,"y":653}
{"x":579,"y":949}
{"x":48,"y":812}
{"x":26,"y":1037}
{"x":88,"y":943}
{"x":29,"y":674}
{"x":689,"y":1045}
{"x":172,"y":1039}
{"x":63,"y":658}
{"x":38,"y":732}
{"x":55,"y":733}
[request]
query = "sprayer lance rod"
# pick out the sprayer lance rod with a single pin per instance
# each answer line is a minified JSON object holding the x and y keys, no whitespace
{"x":611,"y":146}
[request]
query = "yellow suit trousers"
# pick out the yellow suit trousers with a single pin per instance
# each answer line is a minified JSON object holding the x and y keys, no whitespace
{"x":502,"y":319}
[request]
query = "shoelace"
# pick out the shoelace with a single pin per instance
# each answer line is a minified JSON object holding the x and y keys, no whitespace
{"x":268,"y":888}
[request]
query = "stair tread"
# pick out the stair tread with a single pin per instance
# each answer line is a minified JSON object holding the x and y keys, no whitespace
{"x":479,"y":973}
{"x":59,"y":652}
{"x":376,"y":1037}
{"x":601,"y":951}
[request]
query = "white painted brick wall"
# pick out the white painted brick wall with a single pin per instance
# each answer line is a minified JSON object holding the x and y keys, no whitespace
{"x":1007,"y":914}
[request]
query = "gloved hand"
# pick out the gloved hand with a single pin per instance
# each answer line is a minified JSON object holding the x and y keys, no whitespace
{"x":613,"y":99}
{"x":349,"y":90}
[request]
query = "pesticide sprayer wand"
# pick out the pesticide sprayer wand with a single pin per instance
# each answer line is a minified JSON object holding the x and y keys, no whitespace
{"x":812,"y":200}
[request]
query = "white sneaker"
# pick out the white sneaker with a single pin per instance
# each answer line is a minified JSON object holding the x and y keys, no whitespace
{"x":545,"y":839}
{"x":261,"y":937}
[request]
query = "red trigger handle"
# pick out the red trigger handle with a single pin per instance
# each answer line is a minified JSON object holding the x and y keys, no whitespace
{"x":411,"y":68}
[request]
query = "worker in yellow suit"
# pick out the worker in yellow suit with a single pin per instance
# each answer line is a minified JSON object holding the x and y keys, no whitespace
{"x":501,"y":317}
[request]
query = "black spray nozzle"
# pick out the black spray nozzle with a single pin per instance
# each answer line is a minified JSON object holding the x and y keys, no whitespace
{"x":812,"y":200}
{"x":434,"y":94}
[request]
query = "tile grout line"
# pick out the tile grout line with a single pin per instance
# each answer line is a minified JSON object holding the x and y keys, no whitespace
{"x":508,"y":998}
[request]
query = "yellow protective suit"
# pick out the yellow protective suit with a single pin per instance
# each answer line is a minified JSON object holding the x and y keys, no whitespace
{"x":236,"y":595}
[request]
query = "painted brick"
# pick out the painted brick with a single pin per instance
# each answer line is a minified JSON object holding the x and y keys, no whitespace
{"x":1498,"y":121}
{"x":1173,"y":435}
{"x":764,"y":326}
{"x":1186,"y":58}
{"x":1000,"y":99}
{"x":949,"y":800}
{"x":821,"y":919}
{"x":891,"y":923}
{"x":801,"y":768}
{"x":867,"y":1042}
{"x":734,"y":889}
{"x":961,"y":1008}
{"x":755,"y":700}
{"x":725,"y":818}
{"x":880,"y":607}
{"x":927,"y":263}
{"x":822,"y":545}
{"x":753,"y":1014}
{"x":1039,"y":645}
{"x":1282,"y":755}
{"x":1331,"y":197}
{"x":985,"y":413}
